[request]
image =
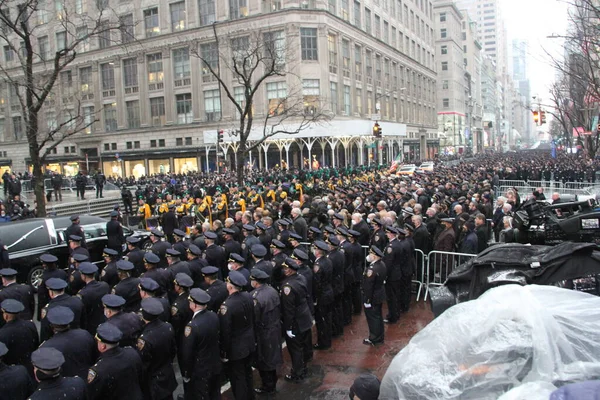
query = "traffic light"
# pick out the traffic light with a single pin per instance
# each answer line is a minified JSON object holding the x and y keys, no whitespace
{"x":536,"y":117}
{"x":220,"y":136}
{"x":542,"y":117}
{"x":377,"y":130}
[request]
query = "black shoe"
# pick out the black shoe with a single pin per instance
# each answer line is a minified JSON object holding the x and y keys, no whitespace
{"x":372,"y":343}
{"x":262,"y":390}
{"x":389,"y":321}
{"x":319,"y":347}
{"x":293,"y":378}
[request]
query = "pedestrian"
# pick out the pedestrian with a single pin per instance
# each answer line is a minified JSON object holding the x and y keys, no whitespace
{"x":100,"y":180}
{"x":47,"y":363}
{"x":373,"y":284}
{"x":15,"y":382}
{"x":118,"y":373}
{"x":57,"y":182}
{"x":80,"y":183}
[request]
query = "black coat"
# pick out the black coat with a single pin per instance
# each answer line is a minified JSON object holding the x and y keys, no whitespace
{"x":323,"y":290}
{"x":117,"y":375}
{"x":136,"y":257}
{"x":128,"y":289}
{"x":72,"y":302}
{"x":199,"y":355}
{"x":349,"y":277}
{"x":295,"y":313}
{"x":365,"y":232}
{"x":15,"y":382}
{"x":195,"y":265}
{"x":156,"y":346}
{"x":393,"y":259}
{"x":169,"y":222}
{"x":21,"y":338}
{"x":236,"y":319}
{"x":301,"y":227}
{"x":267,"y":326}
{"x":114,"y":232}
{"x":218,"y":293}
{"x":130,"y":324}
{"x":337,"y":278}
{"x":22,"y":293}
{"x":43,"y":296}
{"x":75,"y":229}
{"x":373,"y":283}
{"x":160,"y":276}
{"x":180,"y":315}
{"x":91,"y":296}
{"x":62,"y":388}
{"x":160,"y":249}
{"x":79,"y":349}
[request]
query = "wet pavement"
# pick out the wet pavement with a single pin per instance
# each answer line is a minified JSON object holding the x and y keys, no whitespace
{"x":333,"y":371}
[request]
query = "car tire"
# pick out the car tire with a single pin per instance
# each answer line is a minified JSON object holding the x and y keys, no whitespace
{"x":147,"y":245}
{"x":34,"y":278}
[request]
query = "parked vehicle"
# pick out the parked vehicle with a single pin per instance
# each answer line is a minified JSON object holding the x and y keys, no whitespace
{"x":27,"y":240}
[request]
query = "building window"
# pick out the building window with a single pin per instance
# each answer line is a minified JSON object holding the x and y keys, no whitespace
{"x":346,"y":58}
{"x":207,"y":12}
{"x":43,"y":13}
{"x":212,"y":105}
{"x":446,"y":103}
{"x":311,"y":90}
{"x":332,"y":6}
{"x":444,"y":65}
{"x":443,"y":17}
{"x":44,"y":47}
{"x":178,"y":142}
{"x":358,"y":102}
{"x":377,"y":26}
{"x":357,"y":14}
{"x":238,"y":9}
{"x":83,"y":38}
{"x":183,"y":104}
{"x":126,"y":27}
{"x":130,"y":73}
{"x":445,"y":84}
{"x":66,"y":149}
{"x":443,"y":33}
{"x":178,"y":16}
{"x":113,"y":146}
{"x":155,"y":69}
{"x":136,"y":144}
{"x":151,"y":22}
{"x":210,"y":60}
{"x":188,"y":141}
{"x":9,"y":54}
{"x":181,"y":63}
{"x":275,"y":47}
{"x":161,"y":142}
{"x":334,"y":97}
{"x":308,"y":40}
{"x":88,"y":119}
{"x":153,"y":143}
{"x":103,"y":34}
{"x":358,"y":63}
{"x":276,"y":97}
{"x":133,"y":114}
{"x":368,"y":21}
{"x":345,"y":10}
{"x":18,"y":127}
{"x":107,"y":72}
{"x":157,"y":111}
{"x":347,"y":104}
{"x":107,"y":146}
{"x":444,"y":50}
{"x":61,"y":41}
{"x":333,"y":53}
{"x":85,"y":79}
{"x":110,"y":117}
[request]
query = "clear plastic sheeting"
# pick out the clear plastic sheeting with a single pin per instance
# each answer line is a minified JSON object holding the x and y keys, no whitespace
{"x":512,"y":337}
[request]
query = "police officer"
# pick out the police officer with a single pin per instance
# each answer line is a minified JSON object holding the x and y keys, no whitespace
{"x":149,"y":289}
{"x":322,"y":294}
{"x":215,"y":255}
{"x":180,"y":244}
{"x":408,"y":268}
{"x":58,"y":297}
{"x":130,"y":324}
{"x":296,"y":318}
{"x":284,"y":235}
{"x":195,"y":264}
{"x":258,"y":252}
{"x":76,"y":345}
{"x":236,"y":318}
{"x":216,"y":288}
{"x":4,"y":260}
{"x":110,"y":274}
{"x":50,"y":271}
{"x":127,"y":287}
{"x":349,"y":278}
{"x":12,"y":290}
{"x":114,"y":233}
{"x":199,"y":356}
{"x":176,"y":265}
{"x":153,"y":271}
{"x":47,"y":363}
{"x":156,"y":346}
{"x":249,"y":241}
{"x":20,"y":336}
{"x":118,"y":373}
{"x":379,"y":237}
{"x":91,"y":296}
{"x":236,"y":263}
{"x":76,"y":229}
{"x":75,"y":281}
{"x":15,"y":382}
{"x":267,"y":326}
{"x":374,"y":295}
{"x":135,"y":255}
{"x":358,"y":264}
{"x":159,"y":247}
{"x":337,"y":282}
{"x":180,"y":308}
{"x":278,"y":258}
{"x":263,"y":236}
{"x":230,"y":245}
{"x":393,"y":260}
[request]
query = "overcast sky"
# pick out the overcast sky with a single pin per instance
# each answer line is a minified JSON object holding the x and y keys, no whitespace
{"x":535,"y":20}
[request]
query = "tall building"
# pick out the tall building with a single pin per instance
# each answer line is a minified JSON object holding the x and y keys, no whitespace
{"x":520,"y":75}
{"x":473,"y":65}
{"x":154,"y":107}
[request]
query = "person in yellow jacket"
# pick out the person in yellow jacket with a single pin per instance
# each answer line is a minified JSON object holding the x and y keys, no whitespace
{"x":144,"y":212}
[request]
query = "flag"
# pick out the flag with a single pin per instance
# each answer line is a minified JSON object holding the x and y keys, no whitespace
{"x":395,"y":163}
{"x":553,"y":149}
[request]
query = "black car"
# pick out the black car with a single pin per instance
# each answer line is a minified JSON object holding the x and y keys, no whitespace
{"x":28,"y":239}
{"x":569,"y":265}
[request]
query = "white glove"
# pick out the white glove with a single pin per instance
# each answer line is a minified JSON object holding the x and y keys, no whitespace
{"x":186,"y":380}
{"x":367,"y":305}
{"x":290,"y":334}
{"x":225,"y":360}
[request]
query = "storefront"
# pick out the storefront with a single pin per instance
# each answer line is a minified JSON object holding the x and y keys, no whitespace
{"x":5,"y":165}
{"x":70,"y":169}
{"x":185,"y":165}
{"x":113,"y":169}
{"x":136,"y":168}
{"x":161,"y":166}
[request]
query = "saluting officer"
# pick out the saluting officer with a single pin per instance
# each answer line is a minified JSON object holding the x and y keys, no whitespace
{"x":91,"y":296}
{"x":216,"y":288}
{"x":267,"y":326}
{"x":13,"y":290}
{"x":20,"y":336}
{"x":322,"y":294}
{"x":50,"y":271}
{"x":153,"y":271}
{"x":374,"y":295}
{"x":47,"y":364}
{"x":156,"y":346}
{"x":109,"y":273}
{"x":127,"y":286}
{"x":296,"y":318}
{"x":236,"y":318}
{"x":199,"y":356}
{"x":129,"y":323}
{"x":15,"y":382}
{"x":195,"y":264}
{"x":58,"y":297}
{"x":76,"y":345}
{"x":180,"y":308}
{"x":135,"y":255}
{"x":118,"y":373}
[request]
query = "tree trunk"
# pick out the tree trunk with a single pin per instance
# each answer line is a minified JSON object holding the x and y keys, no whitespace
{"x":240,"y":157}
{"x":38,"y":176}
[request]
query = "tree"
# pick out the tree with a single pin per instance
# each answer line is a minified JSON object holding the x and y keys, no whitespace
{"x":243,"y":62}
{"x":575,"y":97}
{"x":24,"y":29}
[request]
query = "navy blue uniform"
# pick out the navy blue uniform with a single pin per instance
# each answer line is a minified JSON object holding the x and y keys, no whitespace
{"x":61,"y":388}
{"x":323,"y":296}
{"x":110,"y":274}
{"x":180,"y":315}
{"x":21,"y":338}
{"x":91,"y":296}
{"x":136,"y":257}
{"x":78,"y":347}
{"x":374,"y":294}
{"x":218,"y":293}
{"x":22,"y":293}
{"x":43,"y":296}
{"x":130,"y":324}
{"x":117,"y":375}
{"x":73,"y":303}
{"x":15,"y":382}
{"x":267,"y":326}
{"x":337,"y":282}
{"x":128,"y":289}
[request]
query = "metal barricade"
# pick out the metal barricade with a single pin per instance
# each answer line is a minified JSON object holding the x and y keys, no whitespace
{"x":420,"y":258}
{"x":440,"y":264}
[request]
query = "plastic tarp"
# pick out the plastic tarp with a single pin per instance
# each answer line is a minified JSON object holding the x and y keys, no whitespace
{"x":524,"y":339}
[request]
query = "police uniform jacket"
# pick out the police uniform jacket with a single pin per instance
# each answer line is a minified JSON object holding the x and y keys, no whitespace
{"x":409,"y":266}
{"x":169,"y":222}
{"x":43,"y":295}
{"x":267,"y":326}
{"x":322,"y":289}
{"x":215,"y":256}
{"x":75,"y":281}
{"x":247,"y":244}
{"x":72,"y":302}
{"x":198,"y":354}
{"x":157,"y":349}
{"x":180,"y":315}
{"x":91,"y":296}
{"x":182,"y":247}
{"x":63,"y":388}
{"x":265,"y":266}
{"x":373,"y":283}
{"x":136,"y":257}
{"x":358,"y":260}
{"x":231,"y":246}
{"x":363,"y":228}
{"x":77,"y":230}
{"x":130,"y":324}
{"x":236,"y":318}
{"x":4,"y":258}
{"x":277,"y":275}
{"x":114,"y":233}
{"x":176,"y":268}
{"x":296,"y":315}
{"x":379,"y":239}
{"x":307,"y":276}
{"x":24,"y":294}
{"x":337,"y":278}
{"x":393,"y":259}
{"x":117,"y":375}
{"x":79,"y":349}
{"x":195,"y":265}
{"x":161,"y":276}
{"x":21,"y":338}
{"x":421,"y":238}
{"x":348,"y":252}
{"x":160,"y":249}
{"x":15,"y":382}
{"x":128,"y":289}
{"x":218,"y":293}
{"x":110,"y":274}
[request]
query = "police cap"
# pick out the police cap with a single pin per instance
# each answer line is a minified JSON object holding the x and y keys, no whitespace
{"x":8,"y":272}
{"x":78,"y":257}
{"x":47,"y":358}
{"x":88,"y":268}
{"x":12,"y":306}
{"x":199,"y":296}
{"x":48,"y":258}
{"x":258,"y":275}
{"x":195,"y":250}
{"x":179,"y":232}
{"x":124,"y":265}
{"x":182,"y":279}
{"x":236,"y":278}
{"x":210,"y":235}
{"x":210,"y":270}
{"x":56,"y":284}
{"x":108,"y":333}
{"x":151,"y":258}
{"x":113,"y":301}
{"x":258,"y":250}
{"x":236,"y":258}
{"x":148,"y":285}
{"x":60,"y":315}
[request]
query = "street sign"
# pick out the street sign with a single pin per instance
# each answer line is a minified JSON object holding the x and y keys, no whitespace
{"x":375,"y":117}
{"x":117,"y":155}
